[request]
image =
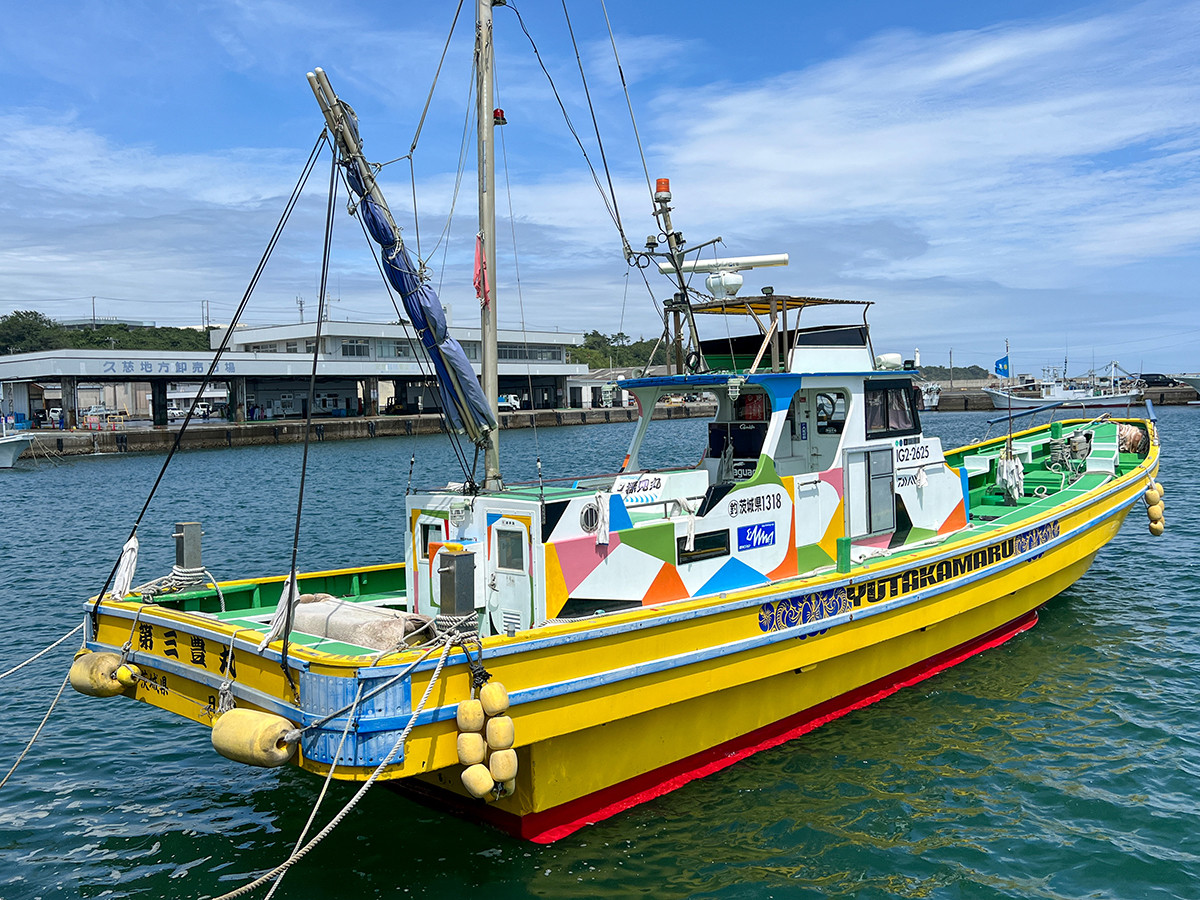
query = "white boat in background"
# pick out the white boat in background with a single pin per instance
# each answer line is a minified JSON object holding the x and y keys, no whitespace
{"x":931,"y":393}
{"x":1192,"y":380}
{"x":11,"y":445}
{"x":1089,"y":391}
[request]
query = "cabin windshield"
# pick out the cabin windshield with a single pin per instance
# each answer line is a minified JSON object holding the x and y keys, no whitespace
{"x":673,"y":439}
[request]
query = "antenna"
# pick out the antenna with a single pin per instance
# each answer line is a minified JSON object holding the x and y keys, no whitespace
{"x":300,"y":304}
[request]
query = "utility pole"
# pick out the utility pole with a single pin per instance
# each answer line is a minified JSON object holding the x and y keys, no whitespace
{"x":951,"y":368}
{"x":300,"y":303}
{"x":93,"y":313}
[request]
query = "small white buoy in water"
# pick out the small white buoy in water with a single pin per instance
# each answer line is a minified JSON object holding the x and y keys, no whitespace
{"x":472,"y":749}
{"x":503,"y":765}
{"x":478,"y":780}
{"x":500,"y":733}
{"x":470,"y":716}
{"x":95,"y":674}
{"x":494,"y":698}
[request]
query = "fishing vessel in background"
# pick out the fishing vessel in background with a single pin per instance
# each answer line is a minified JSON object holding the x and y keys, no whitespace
{"x":549,"y":654}
{"x":1086,"y":392}
{"x":11,"y":445}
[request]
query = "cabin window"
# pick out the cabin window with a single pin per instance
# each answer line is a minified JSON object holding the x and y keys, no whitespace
{"x":431,"y":532}
{"x":708,"y":545}
{"x":510,"y":550}
{"x":889,"y":409}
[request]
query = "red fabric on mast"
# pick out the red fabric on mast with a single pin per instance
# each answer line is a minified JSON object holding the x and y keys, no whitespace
{"x":481,"y":277}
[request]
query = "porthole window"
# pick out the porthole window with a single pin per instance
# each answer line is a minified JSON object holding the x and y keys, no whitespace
{"x":589,"y":518}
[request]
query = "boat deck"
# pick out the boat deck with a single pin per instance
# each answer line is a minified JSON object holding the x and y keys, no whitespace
{"x":251,"y":604}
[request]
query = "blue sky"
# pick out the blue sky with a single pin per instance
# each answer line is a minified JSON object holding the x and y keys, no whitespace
{"x":982,"y":171}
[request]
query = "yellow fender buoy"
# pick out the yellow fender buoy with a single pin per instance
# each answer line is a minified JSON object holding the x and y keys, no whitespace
{"x":502,"y":765}
{"x":1157,"y":528}
{"x":472,"y":748}
{"x":254,"y":738}
{"x":478,"y":780}
{"x":95,"y":674}
{"x":1158,"y":487}
{"x":127,"y":675}
{"x":1152,"y":497}
{"x":470,"y":716}
{"x":1155,"y":512}
{"x":500,"y":733}
{"x":494,"y":698}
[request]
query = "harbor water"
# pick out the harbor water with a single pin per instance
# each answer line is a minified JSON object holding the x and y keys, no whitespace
{"x":1063,"y":764}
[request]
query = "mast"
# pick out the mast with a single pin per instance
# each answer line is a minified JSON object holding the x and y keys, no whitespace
{"x":487,"y":227}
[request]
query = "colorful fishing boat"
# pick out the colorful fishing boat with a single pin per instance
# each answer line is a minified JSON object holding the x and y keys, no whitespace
{"x":549,"y":654}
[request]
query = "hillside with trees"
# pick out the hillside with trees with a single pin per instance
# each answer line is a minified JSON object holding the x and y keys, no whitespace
{"x":961,"y":373}
{"x":26,"y":331}
{"x":601,"y":351}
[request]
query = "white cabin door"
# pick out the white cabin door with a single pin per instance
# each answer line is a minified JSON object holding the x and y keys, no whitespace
{"x":510,"y":577}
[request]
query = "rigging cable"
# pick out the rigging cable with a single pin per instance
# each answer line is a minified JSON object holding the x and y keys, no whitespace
{"x":262,"y":264}
{"x":628,"y":102}
{"x":512,"y":224}
{"x":417,"y":351}
{"x":421,"y":122}
{"x":291,"y":588}
{"x":609,"y":204}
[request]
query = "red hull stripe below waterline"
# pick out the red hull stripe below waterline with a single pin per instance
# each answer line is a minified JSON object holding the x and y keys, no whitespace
{"x":554,"y":824}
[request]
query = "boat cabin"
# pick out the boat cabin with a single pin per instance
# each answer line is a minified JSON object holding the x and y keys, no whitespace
{"x":820,"y":444}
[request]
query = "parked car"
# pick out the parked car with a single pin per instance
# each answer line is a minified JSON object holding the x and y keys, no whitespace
{"x":55,"y":413}
{"x":1154,"y":379}
{"x":174,"y":413}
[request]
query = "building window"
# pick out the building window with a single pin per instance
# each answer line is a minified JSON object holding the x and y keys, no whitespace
{"x":471,"y":348}
{"x":264,"y":348}
{"x":291,"y":347}
{"x":390,"y":349}
{"x":356,"y":347}
{"x":533,"y":352}
{"x":310,"y":345}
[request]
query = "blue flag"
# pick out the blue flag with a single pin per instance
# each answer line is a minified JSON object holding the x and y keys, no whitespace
{"x":1002,"y":367}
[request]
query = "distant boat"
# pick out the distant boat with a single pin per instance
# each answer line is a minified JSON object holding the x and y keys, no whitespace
{"x":1088,"y":391}
{"x":1193,"y":380}
{"x":931,"y":393}
{"x":11,"y":445}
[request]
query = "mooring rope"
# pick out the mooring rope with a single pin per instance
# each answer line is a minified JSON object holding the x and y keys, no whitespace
{"x":41,"y":725}
{"x":324,"y":788}
{"x":42,"y":652}
{"x":353,"y":801}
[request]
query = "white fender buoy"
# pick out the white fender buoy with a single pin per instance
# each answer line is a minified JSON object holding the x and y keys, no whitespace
{"x":478,"y":780}
{"x":494,"y":698}
{"x":95,"y":674}
{"x":472,"y":749}
{"x":254,"y":738}
{"x":502,"y":765}
{"x":500,"y":734}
